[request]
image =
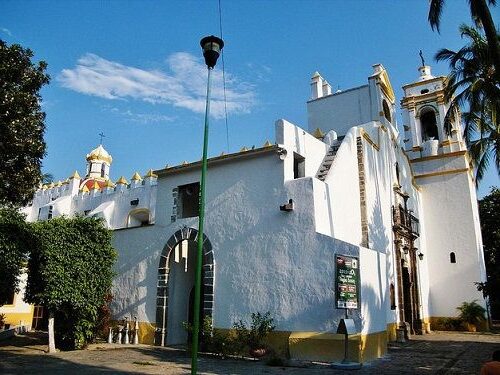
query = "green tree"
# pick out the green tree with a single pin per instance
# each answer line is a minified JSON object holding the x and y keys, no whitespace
{"x":489,"y":213}
{"x":481,"y":15}
{"x":473,"y":89}
{"x":15,"y":241}
{"x":21,"y":122}
{"x":70,"y":273}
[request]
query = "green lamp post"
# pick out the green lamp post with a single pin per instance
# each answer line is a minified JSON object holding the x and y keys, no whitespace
{"x":211,"y":46}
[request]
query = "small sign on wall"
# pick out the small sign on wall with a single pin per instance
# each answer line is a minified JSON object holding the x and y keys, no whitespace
{"x":346,"y":282}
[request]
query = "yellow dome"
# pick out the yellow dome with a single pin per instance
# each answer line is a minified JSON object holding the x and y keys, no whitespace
{"x":100,"y":154}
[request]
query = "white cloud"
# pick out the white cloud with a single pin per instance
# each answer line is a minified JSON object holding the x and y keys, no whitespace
{"x":143,"y":118}
{"x":6,"y":31}
{"x":184,"y":85}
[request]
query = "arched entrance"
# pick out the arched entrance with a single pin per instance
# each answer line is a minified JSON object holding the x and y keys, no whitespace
{"x":175,"y":282}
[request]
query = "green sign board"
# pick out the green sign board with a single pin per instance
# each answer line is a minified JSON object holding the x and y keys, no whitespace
{"x":346,"y":282}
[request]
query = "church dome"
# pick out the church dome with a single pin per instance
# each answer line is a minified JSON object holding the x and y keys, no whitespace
{"x":101,"y":154}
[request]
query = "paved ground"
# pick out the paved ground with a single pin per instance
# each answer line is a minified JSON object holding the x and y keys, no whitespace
{"x":437,"y":353}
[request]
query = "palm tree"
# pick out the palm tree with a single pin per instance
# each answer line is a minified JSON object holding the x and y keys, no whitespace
{"x":481,"y":15}
{"x":472,"y":87}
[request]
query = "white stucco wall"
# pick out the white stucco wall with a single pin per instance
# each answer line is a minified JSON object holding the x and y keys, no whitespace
{"x":451,"y":226}
{"x":340,"y":111}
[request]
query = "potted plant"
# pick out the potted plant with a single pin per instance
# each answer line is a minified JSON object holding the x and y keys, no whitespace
{"x":472,"y":314}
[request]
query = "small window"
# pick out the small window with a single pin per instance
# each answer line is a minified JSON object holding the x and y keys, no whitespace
{"x":387,"y":111}
{"x":188,"y":202}
{"x":103,"y":169}
{"x":299,"y":164}
{"x":392,"y":296}
{"x":453,"y":258}
{"x":397,"y":174}
{"x":49,"y":216}
{"x":424,"y":91}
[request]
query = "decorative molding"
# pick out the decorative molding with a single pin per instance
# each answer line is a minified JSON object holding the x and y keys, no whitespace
{"x":442,"y":173}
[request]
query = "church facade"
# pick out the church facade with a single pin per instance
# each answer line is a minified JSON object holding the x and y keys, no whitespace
{"x":402,"y":204}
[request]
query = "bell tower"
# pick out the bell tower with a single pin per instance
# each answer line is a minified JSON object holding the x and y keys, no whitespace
{"x":424,"y":114}
{"x":444,"y":175}
{"x":98,"y":163}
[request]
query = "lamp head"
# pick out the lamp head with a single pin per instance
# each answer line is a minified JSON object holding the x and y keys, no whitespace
{"x":211,"y":46}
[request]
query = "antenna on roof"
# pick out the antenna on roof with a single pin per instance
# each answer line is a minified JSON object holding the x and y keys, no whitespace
{"x":422,"y":57}
{"x":101,"y":134}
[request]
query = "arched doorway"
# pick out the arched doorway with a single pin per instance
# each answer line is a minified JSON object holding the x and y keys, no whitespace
{"x":175,"y":283}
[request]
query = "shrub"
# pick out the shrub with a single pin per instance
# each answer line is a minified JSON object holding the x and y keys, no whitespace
{"x":471,"y":312}
{"x":253,"y":337}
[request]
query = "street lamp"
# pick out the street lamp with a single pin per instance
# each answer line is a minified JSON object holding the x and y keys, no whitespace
{"x":211,"y":46}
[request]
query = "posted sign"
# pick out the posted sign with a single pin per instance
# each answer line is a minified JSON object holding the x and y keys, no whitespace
{"x":346,"y":282}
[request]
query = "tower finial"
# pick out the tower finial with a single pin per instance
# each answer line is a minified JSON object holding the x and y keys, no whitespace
{"x":422,"y":57}
{"x":101,"y":134}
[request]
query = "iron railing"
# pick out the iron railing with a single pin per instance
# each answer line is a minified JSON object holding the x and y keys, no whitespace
{"x":404,"y":218}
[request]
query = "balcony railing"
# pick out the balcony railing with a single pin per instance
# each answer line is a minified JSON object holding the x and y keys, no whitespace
{"x":404,"y":219}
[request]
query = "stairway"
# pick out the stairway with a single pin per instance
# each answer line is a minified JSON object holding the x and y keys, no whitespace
{"x":328,"y":160}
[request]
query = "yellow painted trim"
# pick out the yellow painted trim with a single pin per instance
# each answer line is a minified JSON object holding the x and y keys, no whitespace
{"x":373,"y":346}
{"x":136,"y":177}
{"x":365,"y":135}
{"x":420,"y":83}
{"x":75,"y":175}
{"x":318,"y":133}
{"x":441,"y":156}
{"x":146,"y":331}
{"x":267,"y":144}
{"x":442,"y":173}
{"x":391,"y":331}
{"x":150,"y":174}
{"x":122,"y":180}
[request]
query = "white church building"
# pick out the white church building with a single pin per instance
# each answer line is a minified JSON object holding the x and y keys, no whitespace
{"x":401,"y":201}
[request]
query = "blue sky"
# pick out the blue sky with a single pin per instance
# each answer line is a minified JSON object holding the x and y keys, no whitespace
{"x":134,"y":70}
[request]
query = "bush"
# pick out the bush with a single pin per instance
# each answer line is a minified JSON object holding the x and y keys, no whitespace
{"x":254,"y":336}
{"x":471,"y":312}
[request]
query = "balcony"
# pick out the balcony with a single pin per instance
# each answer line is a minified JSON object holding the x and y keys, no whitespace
{"x":404,"y":221}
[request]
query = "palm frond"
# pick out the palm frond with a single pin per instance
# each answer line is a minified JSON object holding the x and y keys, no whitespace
{"x":435,"y":10}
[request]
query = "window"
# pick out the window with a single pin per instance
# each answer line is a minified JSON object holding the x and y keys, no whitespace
{"x":49,"y":216}
{"x":387,"y":111}
{"x":428,"y":124}
{"x":188,"y":204}
{"x":453,"y":258}
{"x":299,"y":163}
{"x":103,"y":169}
{"x":392,"y":296}
{"x":397,"y":174}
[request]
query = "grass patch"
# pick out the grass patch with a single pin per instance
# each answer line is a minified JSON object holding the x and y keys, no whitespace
{"x":143,"y":363}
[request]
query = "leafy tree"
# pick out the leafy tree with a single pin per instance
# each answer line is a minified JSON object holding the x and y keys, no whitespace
{"x":489,"y":212}
{"x":481,"y":15}
{"x":70,"y":273}
{"x":472,"y":88}
{"x":21,"y":122}
{"x":15,"y":241}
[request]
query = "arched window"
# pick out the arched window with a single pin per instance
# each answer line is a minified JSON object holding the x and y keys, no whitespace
{"x":103,"y":169}
{"x":453,"y":258}
{"x":387,"y":111}
{"x":428,"y":124}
